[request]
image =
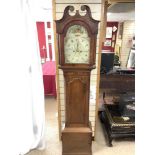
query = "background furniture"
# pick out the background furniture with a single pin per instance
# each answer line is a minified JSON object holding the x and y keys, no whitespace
{"x":119,"y":119}
{"x":107,"y":62}
{"x":49,"y":72}
{"x":118,"y":82}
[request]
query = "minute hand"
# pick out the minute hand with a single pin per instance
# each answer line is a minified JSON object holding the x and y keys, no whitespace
{"x":78,"y":46}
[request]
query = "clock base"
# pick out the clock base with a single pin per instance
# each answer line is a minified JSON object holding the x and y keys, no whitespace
{"x":77,"y":141}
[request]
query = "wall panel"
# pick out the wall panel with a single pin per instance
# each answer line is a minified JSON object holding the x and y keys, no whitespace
{"x":128,"y":32}
{"x":94,"y":8}
{"x":78,"y":1}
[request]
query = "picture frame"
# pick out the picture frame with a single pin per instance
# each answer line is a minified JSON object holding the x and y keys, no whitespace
{"x":109,"y":32}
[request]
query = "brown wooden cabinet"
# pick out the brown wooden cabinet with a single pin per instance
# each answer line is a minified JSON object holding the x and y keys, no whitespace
{"x":117,"y":83}
{"x":77,"y":37}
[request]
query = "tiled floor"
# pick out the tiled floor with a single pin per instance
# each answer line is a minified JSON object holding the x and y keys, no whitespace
{"x":53,"y":145}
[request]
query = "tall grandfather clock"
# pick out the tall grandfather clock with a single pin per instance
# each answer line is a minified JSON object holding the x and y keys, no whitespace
{"x":77,"y":37}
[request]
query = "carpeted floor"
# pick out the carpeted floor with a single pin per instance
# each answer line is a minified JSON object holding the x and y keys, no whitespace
{"x":53,"y":145}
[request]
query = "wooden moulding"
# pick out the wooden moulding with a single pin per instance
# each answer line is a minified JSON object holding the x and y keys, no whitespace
{"x":101,"y":40}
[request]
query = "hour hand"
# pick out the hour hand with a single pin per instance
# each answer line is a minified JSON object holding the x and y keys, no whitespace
{"x":78,"y":46}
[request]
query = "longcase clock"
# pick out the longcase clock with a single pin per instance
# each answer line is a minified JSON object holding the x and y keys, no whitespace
{"x":77,"y":37}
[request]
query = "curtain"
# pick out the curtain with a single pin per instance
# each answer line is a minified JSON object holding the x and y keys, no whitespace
{"x":22,"y":115}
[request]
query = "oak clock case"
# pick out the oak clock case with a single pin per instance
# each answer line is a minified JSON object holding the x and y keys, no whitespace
{"x":77,"y":37}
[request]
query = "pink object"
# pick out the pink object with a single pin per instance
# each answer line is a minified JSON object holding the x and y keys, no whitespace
{"x":42,"y":39}
{"x":49,"y":72}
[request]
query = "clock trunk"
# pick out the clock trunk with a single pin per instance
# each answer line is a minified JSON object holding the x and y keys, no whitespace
{"x":77,"y":85}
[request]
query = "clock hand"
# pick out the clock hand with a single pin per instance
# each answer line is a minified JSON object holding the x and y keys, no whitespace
{"x":74,"y":54}
{"x":78,"y":46}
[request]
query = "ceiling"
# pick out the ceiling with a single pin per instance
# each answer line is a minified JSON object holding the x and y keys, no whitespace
{"x":121,"y":12}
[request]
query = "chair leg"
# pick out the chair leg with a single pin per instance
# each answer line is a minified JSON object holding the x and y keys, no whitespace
{"x":110,"y":142}
{"x":103,"y":95}
{"x":104,"y":101}
{"x":109,"y":139}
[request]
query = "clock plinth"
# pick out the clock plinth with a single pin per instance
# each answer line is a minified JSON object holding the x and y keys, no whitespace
{"x":77,"y":37}
{"x":77,"y":141}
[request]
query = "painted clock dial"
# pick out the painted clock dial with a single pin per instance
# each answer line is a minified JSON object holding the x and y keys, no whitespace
{"x":77,"y":45}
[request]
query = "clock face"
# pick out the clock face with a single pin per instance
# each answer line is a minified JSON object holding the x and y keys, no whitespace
{"x":77,"y":45}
